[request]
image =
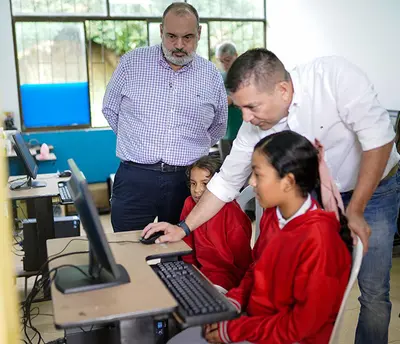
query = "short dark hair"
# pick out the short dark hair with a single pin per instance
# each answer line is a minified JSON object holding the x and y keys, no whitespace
{"x":289,"y":152}
{"x":208,"y":162}
{"x":259,"y":65}
{"x":181,"y":8}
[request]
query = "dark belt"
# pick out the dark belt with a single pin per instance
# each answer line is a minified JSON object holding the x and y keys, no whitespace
{"x":159,"y":166}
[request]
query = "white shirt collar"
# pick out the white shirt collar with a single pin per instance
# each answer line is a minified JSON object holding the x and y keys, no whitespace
{"x":302,"y":210}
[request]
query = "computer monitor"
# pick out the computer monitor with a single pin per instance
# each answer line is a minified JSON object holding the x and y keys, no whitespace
{"x":29,"y":163}
{"x":102,"y":268}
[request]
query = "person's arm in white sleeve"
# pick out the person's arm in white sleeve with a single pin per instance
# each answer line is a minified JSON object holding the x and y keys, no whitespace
{"x":237,"y":166}
{"x":222,"y":188}
{"x":360,"y":109}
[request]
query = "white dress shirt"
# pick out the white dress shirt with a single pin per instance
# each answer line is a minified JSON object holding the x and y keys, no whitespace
{"x":333,"y":102}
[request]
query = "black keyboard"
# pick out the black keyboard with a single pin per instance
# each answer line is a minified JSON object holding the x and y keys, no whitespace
{"x":199,"y":301}
{"x":65,"y":196}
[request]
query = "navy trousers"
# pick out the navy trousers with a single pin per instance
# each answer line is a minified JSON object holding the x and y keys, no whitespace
{"x":140,"y":195}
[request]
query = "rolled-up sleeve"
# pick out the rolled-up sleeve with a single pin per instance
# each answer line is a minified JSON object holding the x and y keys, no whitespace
{"x":113,"y":96}
{"x":359,"y":107}
{"x":237,"y":166}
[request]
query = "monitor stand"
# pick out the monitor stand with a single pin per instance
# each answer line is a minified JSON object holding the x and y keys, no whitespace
{"x":70,"y":279}
{"x":27,"y":184}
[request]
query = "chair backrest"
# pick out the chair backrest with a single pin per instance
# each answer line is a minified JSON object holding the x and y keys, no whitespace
{"x":245,"y":197}
{"x":355,"y":269}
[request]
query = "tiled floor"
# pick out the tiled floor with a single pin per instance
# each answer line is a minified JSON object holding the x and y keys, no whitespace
{"x":44,"y":324}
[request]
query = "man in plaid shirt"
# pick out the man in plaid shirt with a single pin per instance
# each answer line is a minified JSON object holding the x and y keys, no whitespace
{"x":167,"y":106}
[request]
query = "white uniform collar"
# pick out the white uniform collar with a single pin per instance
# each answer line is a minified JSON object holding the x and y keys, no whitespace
{"x":302,"y":210}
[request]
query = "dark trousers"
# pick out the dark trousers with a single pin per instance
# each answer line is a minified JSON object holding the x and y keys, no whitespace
{"x":139,"y":195}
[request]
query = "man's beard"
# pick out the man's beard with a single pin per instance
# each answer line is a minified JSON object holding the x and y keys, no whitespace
{"x":178,"y":61}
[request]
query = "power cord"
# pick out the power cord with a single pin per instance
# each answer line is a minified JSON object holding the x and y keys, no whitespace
{"x":19,"y":185}
{"x":14,"y":180}
{"x":84,"y":331}
{"x":45,"y":281}
{"x":124,"y":242}
{"x":42,"y":283}
{"x":84,"y":239}
{"x":69,"y":242}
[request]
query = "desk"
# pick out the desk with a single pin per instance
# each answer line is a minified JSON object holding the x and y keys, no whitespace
{"x":144,"y":296}
{"x":35,"y":151}
{"x":40,"y":207}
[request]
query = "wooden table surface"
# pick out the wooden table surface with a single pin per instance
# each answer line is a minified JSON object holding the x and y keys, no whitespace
{"x":144,"y":295}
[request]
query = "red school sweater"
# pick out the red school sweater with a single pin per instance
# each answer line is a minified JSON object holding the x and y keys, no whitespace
{"x":293,"y":291}
{"x":221,"y":246}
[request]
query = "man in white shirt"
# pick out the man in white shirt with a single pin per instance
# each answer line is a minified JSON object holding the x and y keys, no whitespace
{"x":333,"y":101}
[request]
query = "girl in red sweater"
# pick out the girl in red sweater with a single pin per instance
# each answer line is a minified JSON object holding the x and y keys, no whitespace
{"x":221,"y":246}
{"x":293,"y":291}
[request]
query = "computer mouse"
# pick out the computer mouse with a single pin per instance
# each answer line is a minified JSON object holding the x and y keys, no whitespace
{"x":152,"y":238}
{"x":64,"y":174}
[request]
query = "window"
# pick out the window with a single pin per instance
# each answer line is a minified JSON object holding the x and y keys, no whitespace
{"x":52,"y":72}
{"x":245,"y":35}
{"x":64,"y":65}
{"x":63,"y":7}
{"x":107,"y":41}
{"x":139,"y":8}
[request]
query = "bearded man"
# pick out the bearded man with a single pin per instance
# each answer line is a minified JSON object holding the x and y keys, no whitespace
{"x":167,"y":107}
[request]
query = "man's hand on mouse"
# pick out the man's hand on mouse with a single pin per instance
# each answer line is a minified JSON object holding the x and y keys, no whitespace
{"x":171,"y":233}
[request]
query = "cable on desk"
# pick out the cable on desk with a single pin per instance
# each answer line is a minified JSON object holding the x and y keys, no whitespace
{"x":84,"y":239}
{"x":124,"y":242}
{"x":69,"y":242}
{"x":19,"y":185}
{"x":14,"y":180}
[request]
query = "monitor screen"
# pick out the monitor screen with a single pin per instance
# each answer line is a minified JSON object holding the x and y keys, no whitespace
{"x":102,"y":270}
{"x":87,"y":211}
{"x":25,"y":155}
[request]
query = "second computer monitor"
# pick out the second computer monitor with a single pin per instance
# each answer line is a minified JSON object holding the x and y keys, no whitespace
{"x":29,"y":163}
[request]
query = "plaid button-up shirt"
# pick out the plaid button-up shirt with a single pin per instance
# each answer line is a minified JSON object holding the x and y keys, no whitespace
{"x":162,"y":115}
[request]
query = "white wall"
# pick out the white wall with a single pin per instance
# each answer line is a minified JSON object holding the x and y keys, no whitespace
{"x":367,"y":32}
{"x":8,"y":78}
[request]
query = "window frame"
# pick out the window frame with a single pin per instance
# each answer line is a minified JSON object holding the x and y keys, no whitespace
{"x":83,"y":18}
